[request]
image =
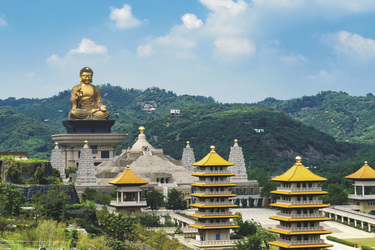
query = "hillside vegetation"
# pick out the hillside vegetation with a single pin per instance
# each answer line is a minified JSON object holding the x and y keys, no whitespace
{"x":336,"y":113}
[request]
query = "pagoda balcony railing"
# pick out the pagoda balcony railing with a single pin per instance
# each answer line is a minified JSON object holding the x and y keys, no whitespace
{"x":214,"y":213}
{"x":313,"y":215}
{"x":129,"y":203}
{"x":300,"y":229}
{"x":214,"y":223}
{"x":301,"y":242}
{"x":213,"y":171}
{"x":213,"y":182}
{"x":308,"y":202}
{"x":301,"y":189}
{"x":362,"y":197}
{"x":215,"y":202}
{"x":213,"y":192}
{"x":211,"y":242}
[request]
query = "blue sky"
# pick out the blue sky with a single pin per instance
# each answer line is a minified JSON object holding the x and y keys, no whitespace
{"x":234,"y":51}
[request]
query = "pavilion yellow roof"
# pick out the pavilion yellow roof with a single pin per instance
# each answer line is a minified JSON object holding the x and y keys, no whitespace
{"x":365,"y":172}
{"x":213,"y":159}
{"x":298,"y":173}
{"x":128,"y":177}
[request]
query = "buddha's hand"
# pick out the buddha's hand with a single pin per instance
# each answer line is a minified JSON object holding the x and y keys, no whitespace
{"x":79,"y":93}
{"x":103,"y":108}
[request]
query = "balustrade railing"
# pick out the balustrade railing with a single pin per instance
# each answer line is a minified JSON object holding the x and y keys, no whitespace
{"x":298,"y":229}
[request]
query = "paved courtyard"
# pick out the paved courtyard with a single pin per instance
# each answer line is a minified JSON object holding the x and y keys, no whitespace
{"x":338,"y":230}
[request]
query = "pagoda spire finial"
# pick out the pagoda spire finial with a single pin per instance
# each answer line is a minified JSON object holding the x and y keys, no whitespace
{"x":141,"y":129}
{"x":298,"y":159}
{"x":212,"y":148}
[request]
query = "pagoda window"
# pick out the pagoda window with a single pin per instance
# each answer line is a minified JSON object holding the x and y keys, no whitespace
{"x":223,"y":210}
{"x":312,"y":237}
{"x":244,"y":190}
{"x":221,"y":178}
{"x":211,"y":189}
{"x":212,"y":210}
{"x":222,"y":189}
{"x":211,"y":199}
{"x":304,"y":198}
{"x":299,"y":224}
{"x":221,"y":168}
{"x":298,"y":185}
{"x":212,"y":220}
{"x":298,"y":198}
{"x":311,"y":198}
{"x":305,"y":224}
{"x":217,"y":220}
{"x":157,"y":179}
{"x":304,"y":184}
{"x":312,"y":224}
{"x":311,"y":211}
{"x":162,"y":180}
{"x":310,"y":184}
{"x":216,"y":168}
{"x":212,"y":179}
{"x":299,"y":237}
{"x":222,"y":199}
{"x":306,"y":237}
{"x":211,"y":168}
{"x":305,"y":211}
{"x":218,"y":236}
{"x":251,"y":190}
{"x":166,"y":180}
{"x":216,"y":178}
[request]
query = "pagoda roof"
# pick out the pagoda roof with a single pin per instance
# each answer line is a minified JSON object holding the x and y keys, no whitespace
{"x":213,"y":159}
{"x":128,"y":177}
{"x":298,"y":173}
{"x":365,"y":172}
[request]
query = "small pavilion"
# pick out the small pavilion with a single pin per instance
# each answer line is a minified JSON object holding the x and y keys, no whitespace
{"x":364,"y":182}
{"x":128,"y":192}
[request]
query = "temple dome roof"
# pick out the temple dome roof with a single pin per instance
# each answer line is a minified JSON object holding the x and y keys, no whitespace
{"x":298,"y":172}
{"x":365,"y":172}
{"x":213,"y":159}
{"x":128,"y":177}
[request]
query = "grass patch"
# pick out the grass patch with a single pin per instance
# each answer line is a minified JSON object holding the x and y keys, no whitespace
{"x":370,"y":242}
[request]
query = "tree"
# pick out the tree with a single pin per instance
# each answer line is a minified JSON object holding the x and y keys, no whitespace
{"x":13,"y":174}
{"x":336,"y":195}
{"x":55,"y":203}
{"x":154,"y":199}
{"x":118,"y":227}
{"x":38,"y":176}
{"x":266,"y":191}
{"x":265,"y":236}
{"x":251,"y":202}
{"x":244,"y":202}
{"x":176,"y":200}
{"x":252,"y":242}
{"x":11,"y":200}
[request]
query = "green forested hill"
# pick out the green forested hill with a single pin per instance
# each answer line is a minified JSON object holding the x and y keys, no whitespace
{"x":21,"y":133}
{"x":216,"y":124}
{"x":336,"y":113}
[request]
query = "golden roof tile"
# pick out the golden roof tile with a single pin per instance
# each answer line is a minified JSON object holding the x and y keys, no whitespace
{"x":365,"y":172}
{"x":298,"y":173}
{"x":213,"y":159}
{"x":128,"y":177}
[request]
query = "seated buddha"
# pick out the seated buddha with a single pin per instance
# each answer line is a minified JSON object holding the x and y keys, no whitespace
{"x":86,"y":100}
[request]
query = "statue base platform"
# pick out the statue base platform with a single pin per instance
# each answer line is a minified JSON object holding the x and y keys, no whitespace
{"x":88,"y":126}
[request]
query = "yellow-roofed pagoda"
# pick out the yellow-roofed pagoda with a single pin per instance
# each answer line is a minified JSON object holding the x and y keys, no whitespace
{"x":212,"y":193}
{"x":299,"y":205}
{"x":128,"y":192}
{"x":364,"y":181}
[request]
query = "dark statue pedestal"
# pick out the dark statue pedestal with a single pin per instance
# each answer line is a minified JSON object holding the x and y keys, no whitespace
{"x":88,"y":126}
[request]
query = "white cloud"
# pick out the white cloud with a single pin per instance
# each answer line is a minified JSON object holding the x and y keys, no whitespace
{"x":53,"y":59}
{"x":226,"y":17}
{"x":31,"y":75}
{"x":88,"y":47}
{"x":324,"y":75}
{"x":191,"y":21}
{"x":293,"y":59}
{"x":351,"y":44}
{"x":123,"y":17}
{"x":225,"y":5}
{"x":175,"y":41}
{"x":145,"y":50}
{"x":233,"y":47}
{"x":3,"y":21}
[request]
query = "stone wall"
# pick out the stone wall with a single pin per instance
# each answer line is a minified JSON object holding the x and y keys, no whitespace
{"x":26,"y":168}
{"x":29,"y":190}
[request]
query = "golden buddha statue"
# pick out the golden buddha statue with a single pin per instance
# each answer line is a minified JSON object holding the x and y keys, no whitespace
{"x":86,"y":100}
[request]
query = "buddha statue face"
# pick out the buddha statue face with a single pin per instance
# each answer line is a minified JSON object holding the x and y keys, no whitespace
{"x":86,"y":78}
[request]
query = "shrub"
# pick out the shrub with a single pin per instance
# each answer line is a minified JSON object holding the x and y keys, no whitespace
{"x":341,"y":241}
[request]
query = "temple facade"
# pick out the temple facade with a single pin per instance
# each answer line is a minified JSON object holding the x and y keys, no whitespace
{"x":299,"y":206}
{"x":212,"y":200}
{"x":364,"y":182}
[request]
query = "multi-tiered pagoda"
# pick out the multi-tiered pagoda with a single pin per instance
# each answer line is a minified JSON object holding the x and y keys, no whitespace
{"x":299,"y":205}
{"x":212,"y":193}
